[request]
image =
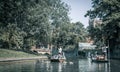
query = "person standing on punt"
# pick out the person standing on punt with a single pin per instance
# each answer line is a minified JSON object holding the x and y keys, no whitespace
{"x":60,"y":50}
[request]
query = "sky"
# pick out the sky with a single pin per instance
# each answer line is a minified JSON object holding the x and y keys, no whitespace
{"x":78,"y":8}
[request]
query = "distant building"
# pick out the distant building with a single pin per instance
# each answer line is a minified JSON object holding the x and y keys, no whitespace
{"x":89,"y":40}
{"x":95,"y":22}
{"x":41,"y":50}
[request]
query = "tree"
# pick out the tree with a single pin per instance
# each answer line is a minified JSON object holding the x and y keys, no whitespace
{"x":26,"y":23}
{"x":30,"y":21}
{"x":108,"y":12}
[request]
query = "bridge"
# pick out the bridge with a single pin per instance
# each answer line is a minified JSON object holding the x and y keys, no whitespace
{"x":85,"y":49}
{"x":86,"y":46}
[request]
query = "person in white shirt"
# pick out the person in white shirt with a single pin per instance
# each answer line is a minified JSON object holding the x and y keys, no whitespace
{"x":60,"y":50}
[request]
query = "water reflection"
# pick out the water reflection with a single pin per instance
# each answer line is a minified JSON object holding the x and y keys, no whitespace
{"x":17,"y":66}
{"x":88,"y":66}
{"x":115,"y":65}
{"x":72,"y":65}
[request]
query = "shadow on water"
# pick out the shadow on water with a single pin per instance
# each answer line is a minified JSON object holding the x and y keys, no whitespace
{"x":71,"y":65}
{"x":115,"y":65}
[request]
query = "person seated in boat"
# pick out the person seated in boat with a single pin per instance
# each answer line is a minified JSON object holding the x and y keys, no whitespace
{"x":55,"y":57}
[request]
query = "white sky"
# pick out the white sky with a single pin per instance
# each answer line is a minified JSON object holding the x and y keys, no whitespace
{"x":78,"y":10}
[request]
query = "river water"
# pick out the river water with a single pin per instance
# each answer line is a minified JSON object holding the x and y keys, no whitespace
{"x":71,"y":65}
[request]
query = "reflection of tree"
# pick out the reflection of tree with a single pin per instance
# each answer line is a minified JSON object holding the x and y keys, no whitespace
{"x":43,"y":66}
{"x":27,"y":67}
{"x":51,"y":68}
{"x":37,"y":65}
{"x":10,"y":67}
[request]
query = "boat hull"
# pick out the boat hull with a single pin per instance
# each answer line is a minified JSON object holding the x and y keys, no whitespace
{"x":100,"y":61}
{"x":57,"y":60}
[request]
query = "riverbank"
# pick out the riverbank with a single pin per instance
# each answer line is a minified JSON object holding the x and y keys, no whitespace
{"x":18,"y":59}
{"x":11,"y":55}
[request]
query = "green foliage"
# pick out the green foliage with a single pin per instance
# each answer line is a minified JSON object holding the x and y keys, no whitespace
{"x":4,"y":53}
{"x":107,"y":11}
{"x":26,"y":23}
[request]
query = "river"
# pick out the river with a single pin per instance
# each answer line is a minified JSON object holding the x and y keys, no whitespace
{"x":71,"y":65}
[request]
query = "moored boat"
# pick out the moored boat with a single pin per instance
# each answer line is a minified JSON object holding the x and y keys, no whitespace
{"x":100,"y":61}
{"x":99,"y":58}
{"x":58,"y":58}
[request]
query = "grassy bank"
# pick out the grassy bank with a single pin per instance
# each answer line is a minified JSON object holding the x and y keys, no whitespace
{"x":4,"y":53}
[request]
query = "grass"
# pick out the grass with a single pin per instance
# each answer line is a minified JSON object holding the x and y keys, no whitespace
{"x":4,"y":53}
